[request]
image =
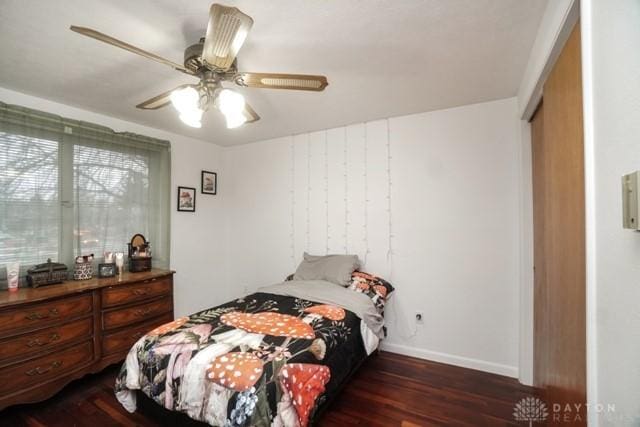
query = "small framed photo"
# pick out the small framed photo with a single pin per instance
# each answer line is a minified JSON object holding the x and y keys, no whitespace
{"x":106,"y":270}
{"x":209,"y":183}
{"x":186,"y":199}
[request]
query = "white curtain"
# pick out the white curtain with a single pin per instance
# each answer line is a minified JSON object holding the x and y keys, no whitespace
{"x":70,"y":188}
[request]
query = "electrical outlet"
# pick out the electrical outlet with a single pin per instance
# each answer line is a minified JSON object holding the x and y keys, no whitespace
{"x":419,"y":317}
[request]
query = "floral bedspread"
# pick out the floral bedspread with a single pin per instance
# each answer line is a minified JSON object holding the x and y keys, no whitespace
{"x":264,"y":360}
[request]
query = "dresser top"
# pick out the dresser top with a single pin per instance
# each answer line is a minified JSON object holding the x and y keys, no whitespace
{"x":28,"y":294}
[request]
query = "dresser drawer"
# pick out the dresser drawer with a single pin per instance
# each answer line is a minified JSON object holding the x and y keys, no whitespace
{"x":44,"y":314}
{"x":125,"y":316}
{"x":150,"y":288}
{"x":33,"y":342}
{"x":122,"y":341}
{"x":25,"y":374}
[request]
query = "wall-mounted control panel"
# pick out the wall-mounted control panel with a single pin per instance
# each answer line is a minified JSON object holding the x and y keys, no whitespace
{"x":630,"y":201}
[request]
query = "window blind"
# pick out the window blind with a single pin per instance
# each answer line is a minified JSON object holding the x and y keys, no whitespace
{"x":112,"y":195}
{"x":70,"y":188}
{"x":29,"y":199}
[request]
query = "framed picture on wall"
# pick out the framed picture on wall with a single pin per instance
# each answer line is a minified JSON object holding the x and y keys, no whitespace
{"x":209,"y":183}
{"x":186,"y":199}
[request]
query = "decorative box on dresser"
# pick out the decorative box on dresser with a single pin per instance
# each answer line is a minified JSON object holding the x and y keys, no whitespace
{"x":52,"y":335}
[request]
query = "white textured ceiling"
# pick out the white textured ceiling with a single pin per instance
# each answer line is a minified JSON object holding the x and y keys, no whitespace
{"x":382,"y":58}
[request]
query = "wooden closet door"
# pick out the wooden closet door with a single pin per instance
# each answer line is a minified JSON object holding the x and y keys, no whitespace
{"x":559,"y":237}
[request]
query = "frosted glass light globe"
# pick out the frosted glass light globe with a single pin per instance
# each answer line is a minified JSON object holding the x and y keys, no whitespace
{"x":186,"y":99}
{"x":230,"y":102}
{"x":192,"y":118}
{"x":235,"y":120}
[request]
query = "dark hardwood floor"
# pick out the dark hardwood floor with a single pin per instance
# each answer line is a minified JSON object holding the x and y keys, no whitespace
{"x":389,"y":390}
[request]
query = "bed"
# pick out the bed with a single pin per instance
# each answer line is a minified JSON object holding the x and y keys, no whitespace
{"x":272,"y":358}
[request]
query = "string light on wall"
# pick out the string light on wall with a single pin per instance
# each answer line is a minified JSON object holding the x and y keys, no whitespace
{"x":365,"y":225}
{"x":292,"y":195}
{"x":326,"y":188}
{"x":390,"y":184}
{"x":346,"y":191}
{"x":308,"y":191}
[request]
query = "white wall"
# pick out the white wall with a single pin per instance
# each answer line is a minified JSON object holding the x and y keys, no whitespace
{"x":448,"y":238}
{"x":611,"y":55}
{"x":197,"y":239}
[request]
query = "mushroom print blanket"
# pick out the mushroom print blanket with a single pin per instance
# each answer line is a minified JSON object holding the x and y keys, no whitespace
{"x":262,"y":360}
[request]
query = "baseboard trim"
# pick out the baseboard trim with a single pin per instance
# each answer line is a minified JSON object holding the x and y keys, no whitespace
{"x":450,"y":359}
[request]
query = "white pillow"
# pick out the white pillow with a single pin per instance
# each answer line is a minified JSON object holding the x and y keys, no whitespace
{"x":332,"y":268}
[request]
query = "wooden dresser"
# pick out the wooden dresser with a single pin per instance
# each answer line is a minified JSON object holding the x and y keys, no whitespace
{"x":54,"y":334}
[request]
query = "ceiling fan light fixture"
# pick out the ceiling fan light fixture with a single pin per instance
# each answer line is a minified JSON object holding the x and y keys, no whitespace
{"x":192,"y":118}
{"x":185,"y":100}
{"x":230,"y":102}
{"x":232,"y":105}
{"x":235,"y":120}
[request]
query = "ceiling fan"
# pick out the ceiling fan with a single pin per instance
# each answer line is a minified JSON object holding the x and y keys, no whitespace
{"x":213,"y":60}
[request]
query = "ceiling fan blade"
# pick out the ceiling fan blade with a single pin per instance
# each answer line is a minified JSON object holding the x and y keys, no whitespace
{"x":227,"y":30}
{"x":126,"y":46}
{"x":250,"y":114}
{"x":159,"y":101}
{"x":282,"y":81}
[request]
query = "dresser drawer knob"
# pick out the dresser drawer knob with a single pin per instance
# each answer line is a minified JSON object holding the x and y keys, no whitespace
{"x":139,"y":292}
{"x":36,"y":342}
{"x":143,"y":312}
{"x":37,"y":315}
{"x":40,"y":371}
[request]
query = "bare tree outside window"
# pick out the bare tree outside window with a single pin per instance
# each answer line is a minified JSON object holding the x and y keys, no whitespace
{"x":29,"y":199}
{"x":111,"y":189}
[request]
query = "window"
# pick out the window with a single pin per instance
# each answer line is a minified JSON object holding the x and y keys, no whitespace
{"x":70,"y":188}
{"x":111,"y":191}
{"x":29,"y":202}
